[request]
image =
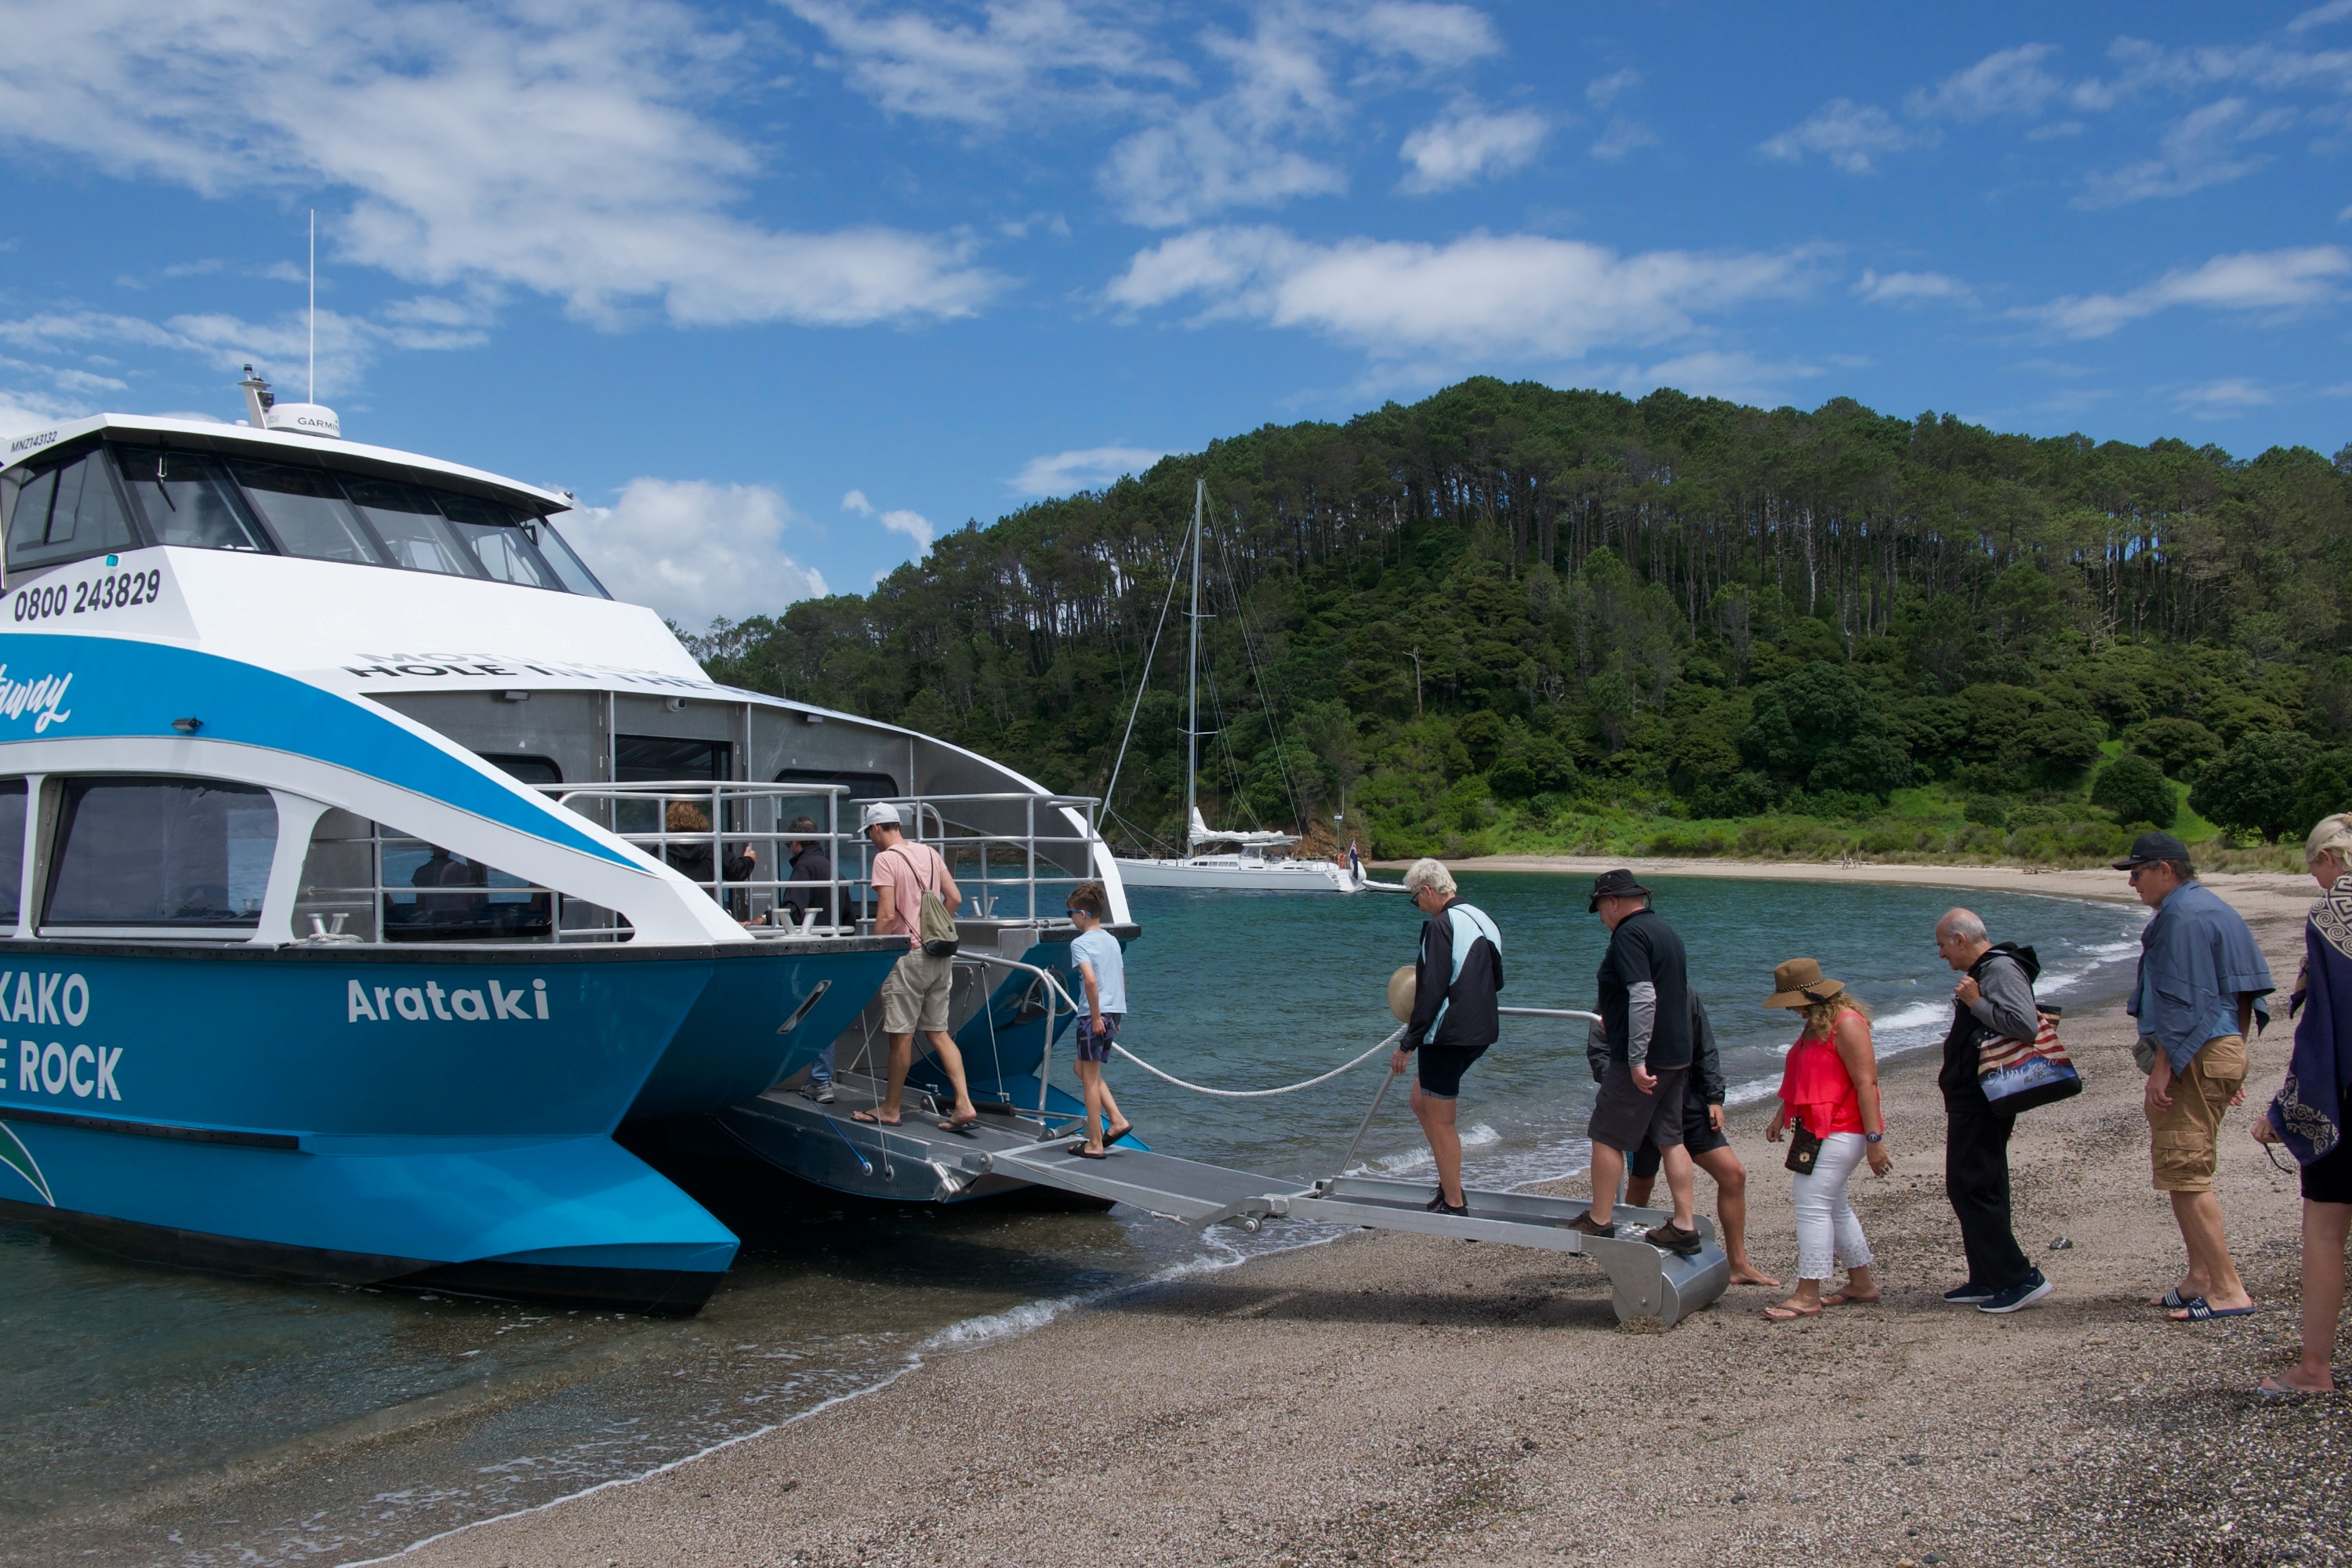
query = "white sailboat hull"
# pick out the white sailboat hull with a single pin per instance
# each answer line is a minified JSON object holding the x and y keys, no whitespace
{"x":1232,"y":874}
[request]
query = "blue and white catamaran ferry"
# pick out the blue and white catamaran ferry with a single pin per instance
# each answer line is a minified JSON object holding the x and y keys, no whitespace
{"x":370,"y":867}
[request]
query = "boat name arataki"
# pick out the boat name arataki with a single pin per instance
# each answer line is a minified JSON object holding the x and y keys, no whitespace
{"x":416,"y":1005}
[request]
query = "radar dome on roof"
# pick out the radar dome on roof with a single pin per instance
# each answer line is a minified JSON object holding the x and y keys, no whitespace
{"x":308,"y":418}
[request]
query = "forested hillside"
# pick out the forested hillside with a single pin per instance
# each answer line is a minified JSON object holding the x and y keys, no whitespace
{"x":1514,"y":618}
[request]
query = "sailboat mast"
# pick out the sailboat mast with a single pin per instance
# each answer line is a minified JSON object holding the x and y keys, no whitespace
{"x":1192,"y":679}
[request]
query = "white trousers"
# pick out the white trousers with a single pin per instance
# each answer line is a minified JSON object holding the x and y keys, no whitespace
{"x":1829,"y":1237}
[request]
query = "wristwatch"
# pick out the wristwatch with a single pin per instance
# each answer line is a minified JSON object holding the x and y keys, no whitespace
{"x":1874,"y":1137}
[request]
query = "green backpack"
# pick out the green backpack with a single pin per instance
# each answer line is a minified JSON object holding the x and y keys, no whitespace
{"x":935,"y":925}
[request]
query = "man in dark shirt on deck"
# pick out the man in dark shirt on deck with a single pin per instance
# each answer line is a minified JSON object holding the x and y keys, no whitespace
{"x":1645,"y":1010}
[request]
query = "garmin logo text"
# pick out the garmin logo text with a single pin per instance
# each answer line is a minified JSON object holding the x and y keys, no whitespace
{"x":32,"y":443}
{"x":39,"y":698}
{"x":382,"y":1003}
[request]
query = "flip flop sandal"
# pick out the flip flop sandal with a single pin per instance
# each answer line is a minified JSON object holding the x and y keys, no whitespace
{"x":1109,"y":1138}
{"x":869,"y":1118}
{"x":2274,"y":1388}
{"x":2200,"y":1313}
{"x":1840,"y":1299}
{"x":960,"y":1128}
{"x":1083,"y":1153}
{"x":1790,"y":1314}
{"x":2173,"y":1300}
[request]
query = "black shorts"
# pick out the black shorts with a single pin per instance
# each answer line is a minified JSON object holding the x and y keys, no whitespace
{"x":1441,"y":1067}
{"x":1622,"y":1116}
{"x":1699,"y":1136}
{"x":2328,"y":1179}
{"x":1093,"y":1047}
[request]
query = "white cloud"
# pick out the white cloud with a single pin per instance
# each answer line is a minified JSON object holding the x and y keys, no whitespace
{"x":1849,"y":134}
{"x":855,"y":502}
{"x":513,"y":145}
{"x":2222,"y":399}
{"x":1481,"y":297}
{"x":693,"y":550}
{"x":2320,"y":15}
{"x":2249,"y":280}
{"x":913,"y":524}
{"x":1625,"y":135}
{"x":2202,"y":149}
{"x":1173,"y":173}
{"x":1602,"y":90}
{"x":2011,"y":81}
{"x":1908,"y":287}
{"x":1018,"y":57}
{"x":1468,"y":145}
{"x":1086,"y":469}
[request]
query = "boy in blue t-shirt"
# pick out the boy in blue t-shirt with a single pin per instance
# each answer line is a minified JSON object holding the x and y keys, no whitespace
{"x":1102,"y":969}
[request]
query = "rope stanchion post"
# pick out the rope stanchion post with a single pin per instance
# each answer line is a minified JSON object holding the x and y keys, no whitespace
{"x":1366,"y":1125}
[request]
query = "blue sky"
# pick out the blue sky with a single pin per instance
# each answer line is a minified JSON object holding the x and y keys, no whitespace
{"x":782,"y":290}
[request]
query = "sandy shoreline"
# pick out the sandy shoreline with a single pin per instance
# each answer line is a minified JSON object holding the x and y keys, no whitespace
{"x":1393,"y":1399}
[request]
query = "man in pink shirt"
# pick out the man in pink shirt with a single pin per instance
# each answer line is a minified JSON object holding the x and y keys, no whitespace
{"x":916,"y":994}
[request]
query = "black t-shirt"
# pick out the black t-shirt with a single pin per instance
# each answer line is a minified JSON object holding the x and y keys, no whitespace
{"x":1644,"y":947}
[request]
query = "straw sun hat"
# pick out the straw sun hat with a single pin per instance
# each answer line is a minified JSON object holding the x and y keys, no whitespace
{"x":1801,"y":984}
{"x":1402,"y":987}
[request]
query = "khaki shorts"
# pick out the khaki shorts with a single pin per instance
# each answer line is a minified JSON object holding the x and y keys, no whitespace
{"x":2183,"y":1140}
{"x":916,"y":994}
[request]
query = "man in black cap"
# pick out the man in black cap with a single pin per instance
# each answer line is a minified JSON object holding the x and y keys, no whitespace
{"x":1646,"y":1020}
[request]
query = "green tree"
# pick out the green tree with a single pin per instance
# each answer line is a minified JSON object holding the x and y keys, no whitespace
{"x":2136,"y":790}
{"x":2180,"y":746}
{"x":1817,"y":730}
{"x":2256,"y":786}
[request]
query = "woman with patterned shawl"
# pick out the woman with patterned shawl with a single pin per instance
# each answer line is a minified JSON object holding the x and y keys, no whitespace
{"x":2310,"y":1112}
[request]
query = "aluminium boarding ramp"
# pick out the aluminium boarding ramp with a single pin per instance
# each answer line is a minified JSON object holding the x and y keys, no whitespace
{"x":1645,"y":1281}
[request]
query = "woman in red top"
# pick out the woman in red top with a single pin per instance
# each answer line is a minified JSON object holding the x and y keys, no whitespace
{"x":1831,"y":1088}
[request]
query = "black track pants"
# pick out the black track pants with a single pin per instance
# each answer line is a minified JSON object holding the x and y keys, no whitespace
{"x":1976,"y":1178}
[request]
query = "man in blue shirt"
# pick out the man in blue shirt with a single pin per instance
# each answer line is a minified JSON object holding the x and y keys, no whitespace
{"x":2200,"y":985}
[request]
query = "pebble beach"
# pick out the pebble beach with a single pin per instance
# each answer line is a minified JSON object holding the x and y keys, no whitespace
{"x":1391,"y":1399}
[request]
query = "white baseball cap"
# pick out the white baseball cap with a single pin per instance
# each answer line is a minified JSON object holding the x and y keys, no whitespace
{"x":878,"y":812}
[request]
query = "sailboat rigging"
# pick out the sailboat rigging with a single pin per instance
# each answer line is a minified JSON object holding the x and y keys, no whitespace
{"x":1214,"y":858}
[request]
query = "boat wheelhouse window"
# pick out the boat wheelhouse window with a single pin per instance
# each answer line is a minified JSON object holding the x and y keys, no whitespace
{"x":12,"y":848}
{"x":412,"y":527}
{"x":162,"y":852}
{"x":66,"y":513}
{"x":361,"y":878}
{"x":305,"y":508}
{"x":184,"y":499}
{"x":572,"y":570}
{"x":529,"y":770}
{"x":496,"y":536}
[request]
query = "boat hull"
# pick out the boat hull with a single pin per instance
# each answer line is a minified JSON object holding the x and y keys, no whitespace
{"x":1228,"y":876}
{"x":426,"y":1117}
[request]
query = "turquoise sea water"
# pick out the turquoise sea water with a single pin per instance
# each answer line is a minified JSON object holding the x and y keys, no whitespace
{"x":164,"y":1417}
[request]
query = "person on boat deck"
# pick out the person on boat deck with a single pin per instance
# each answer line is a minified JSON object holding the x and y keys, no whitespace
{"x":916,"y":994}
{"x":1644,"y":1007}
{"x":1102,"y":972}
{"x":2312,"y":1106}
{"x":1454,"y":1018}
{"x":692,"y":860}
{"x":809,"y":863}
{"x":443,"y":870}
{"x":1703,"y":1135}
{"x":2201,"y":981}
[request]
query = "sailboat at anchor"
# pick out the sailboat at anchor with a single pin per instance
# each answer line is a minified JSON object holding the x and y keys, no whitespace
{"x":1236,"y":861}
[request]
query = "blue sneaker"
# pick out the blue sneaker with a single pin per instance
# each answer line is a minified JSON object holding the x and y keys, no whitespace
{"x":1966,"y":1295}
{"x":2018,"y":1296}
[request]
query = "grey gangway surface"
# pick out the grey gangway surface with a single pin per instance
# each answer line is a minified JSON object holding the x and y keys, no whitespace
{"x":1014,"y":1146}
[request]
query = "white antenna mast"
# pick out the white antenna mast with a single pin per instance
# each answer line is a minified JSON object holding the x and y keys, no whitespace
{"x":314,"y":304}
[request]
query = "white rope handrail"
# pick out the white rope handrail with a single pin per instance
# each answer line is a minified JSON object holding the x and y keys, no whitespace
{"x":1258,"y":1093}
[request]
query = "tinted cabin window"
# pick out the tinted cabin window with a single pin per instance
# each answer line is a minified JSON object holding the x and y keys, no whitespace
{"x":497,"y":541}
{"x":572,"y":570}
{"x":306,"y":510}
{"x":529,"y":770}
{"x":184,"y":499}
{"x":12,"y":848}
{"x":411,"y":527}
{"x":433,"y":895}
{"x":162,"y":852}
{"x":659,"y":759}
{"x":67,"y":513}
